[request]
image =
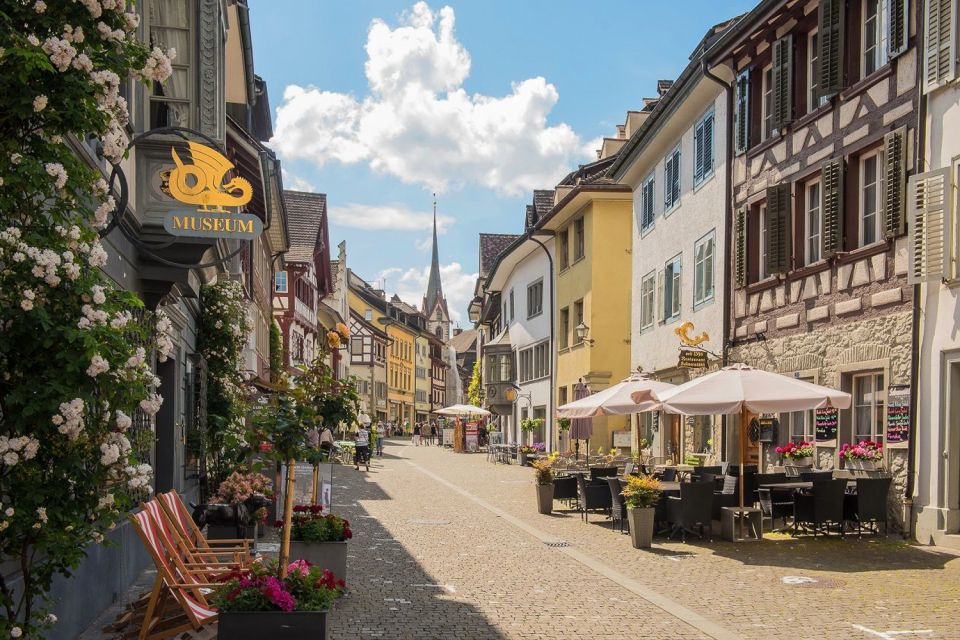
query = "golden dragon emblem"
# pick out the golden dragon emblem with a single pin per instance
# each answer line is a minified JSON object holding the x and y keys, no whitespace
{"x":201,"y":183}
{"x":689,"y":341}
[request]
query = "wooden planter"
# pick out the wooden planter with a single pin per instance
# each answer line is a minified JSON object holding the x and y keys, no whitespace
{"x":326,"y":555}
{"x":640,"y":520}
{"x":256,"y":625}
{"x":545,"y":498}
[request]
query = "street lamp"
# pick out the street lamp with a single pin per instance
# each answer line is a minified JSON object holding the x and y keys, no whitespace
{"x":582,"y":332}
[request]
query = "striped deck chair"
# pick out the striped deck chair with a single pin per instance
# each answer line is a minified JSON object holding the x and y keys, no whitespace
{"x":173,"y":505}
{"x":177,"y":603}
{"x":198,"y":560}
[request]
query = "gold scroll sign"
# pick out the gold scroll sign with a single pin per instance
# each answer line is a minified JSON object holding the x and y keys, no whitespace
{"x":683,"y":332}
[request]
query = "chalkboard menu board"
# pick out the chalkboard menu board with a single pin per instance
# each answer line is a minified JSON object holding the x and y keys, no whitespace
{"x":898,"y":414}
{"x":826,"y":421}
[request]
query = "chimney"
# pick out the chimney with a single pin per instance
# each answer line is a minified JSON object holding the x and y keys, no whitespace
{"x":457,"y":331}
{"x":663,"y":86}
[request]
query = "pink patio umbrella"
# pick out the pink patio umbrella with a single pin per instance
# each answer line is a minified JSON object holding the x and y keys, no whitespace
{"x":741,"y":389}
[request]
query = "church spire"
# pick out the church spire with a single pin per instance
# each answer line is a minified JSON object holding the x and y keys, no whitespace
{"x":434,"y":288}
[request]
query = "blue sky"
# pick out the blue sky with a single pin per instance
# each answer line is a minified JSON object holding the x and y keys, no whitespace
{"x":380,"y":103}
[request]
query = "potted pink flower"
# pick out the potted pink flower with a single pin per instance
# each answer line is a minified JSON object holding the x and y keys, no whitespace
{"x":865,"y":455}
{"x":800,"y":454}
{"x":248,"y":495}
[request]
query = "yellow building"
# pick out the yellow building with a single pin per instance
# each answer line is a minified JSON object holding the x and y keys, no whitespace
{"x":592,"y":225}
{"x":400,"y":374}
{"x":423,"y":379}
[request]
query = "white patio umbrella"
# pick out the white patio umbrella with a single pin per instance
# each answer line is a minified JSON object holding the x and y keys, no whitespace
{"x":462,"y":410}
{"x":741,"y":389}
{"x":632,"y":395}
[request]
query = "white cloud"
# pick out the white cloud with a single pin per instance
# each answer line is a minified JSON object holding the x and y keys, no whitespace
{"x":411,"y":285}
{"x":291,"y":181}
{"x":420,"y":125}
{"x":387,"y":217}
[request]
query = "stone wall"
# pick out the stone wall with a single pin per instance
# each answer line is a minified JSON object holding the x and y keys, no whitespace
{"x":828,"y":355}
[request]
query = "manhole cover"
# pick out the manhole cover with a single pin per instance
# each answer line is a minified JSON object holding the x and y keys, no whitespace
{"x":428,"y":521}
{"x":811,"y":583}
{"x":557,"y":543}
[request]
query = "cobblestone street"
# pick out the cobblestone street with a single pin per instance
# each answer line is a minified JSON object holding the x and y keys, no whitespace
{"x":451,"y":546}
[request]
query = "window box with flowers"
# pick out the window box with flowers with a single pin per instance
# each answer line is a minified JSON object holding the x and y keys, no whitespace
{"x":527,"y":450}
{"x":319,"y":538}
{"x":257,"y":603}
{"x":866,"y":455}
{"x":798,"y":454}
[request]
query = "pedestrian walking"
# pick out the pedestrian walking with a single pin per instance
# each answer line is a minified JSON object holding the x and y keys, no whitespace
{"x":361,"y":451}
{"x":381,"y":434}
{"x":433,"y":433}
{"x":416,"y":435}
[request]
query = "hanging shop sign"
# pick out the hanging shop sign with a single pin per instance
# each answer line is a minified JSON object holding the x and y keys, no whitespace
{"x":898,"y":413}
{"x":692,"y":359}
{"x":825,"y":422}
{"x":203,"y":182}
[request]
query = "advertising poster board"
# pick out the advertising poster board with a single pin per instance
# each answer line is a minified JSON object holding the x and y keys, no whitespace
{"x":898,"y":414}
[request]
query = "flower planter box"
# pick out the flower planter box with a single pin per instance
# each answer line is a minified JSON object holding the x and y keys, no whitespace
{"x":641,"y":526}
{"x":230,"y":532}
{"x":855,"y":464}
{"x":326,"y":555}
{"x":800,"y":462}
{"x":523,"y":459}
{"x":545,"y":498}
{"x":256,"y":625}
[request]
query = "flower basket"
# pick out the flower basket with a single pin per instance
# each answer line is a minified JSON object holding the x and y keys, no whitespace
{"x":866,"y":455}
{"x":318,"y":538}
{"x":326,"y":555}
{"x":797,"y":454}
{"x":255,"y":625}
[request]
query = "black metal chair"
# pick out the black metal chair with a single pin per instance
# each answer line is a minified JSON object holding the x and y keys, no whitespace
{"x":870,"y":503}
{"x":813,"y":476}
{"x":821,"y":507}
{"x":668,"y":475}
{"x":593,"y":497}
{"x":692,"y":510}
{"x":565,"y":488}
{"x":618,"y":508}
{"x":775,"y":504}
{"x":700,"y":472}
{"x":602,"y":472}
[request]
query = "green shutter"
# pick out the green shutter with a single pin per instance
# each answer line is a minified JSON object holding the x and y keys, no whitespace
{"x":896,"y":182}
{"x":742,"y":115}
{"x":897,"y":21}
{"x":740,"y":248}
{"x":778,"y":229}
{"x":831,"y":54}
{"x":831,"y":208}
{"x":782,"y":82}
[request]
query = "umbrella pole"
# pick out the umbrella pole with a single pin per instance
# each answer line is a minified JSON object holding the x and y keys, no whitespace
{"x":743,"y":453}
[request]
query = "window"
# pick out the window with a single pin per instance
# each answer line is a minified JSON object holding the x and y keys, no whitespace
{"x":797,"y":426}
{"x":703,"y":149}
{"x":368,"y":315}
{"x":280,"y":281}
{"x":671,"y":179}
{"x":506,"y":367}
{"x":562,"y":396}
{"x":813,"y":73}
{"x":871,"y":194}
{"x":169,"y":27}
{"x":869,"y":407}
{"x":874,"y":36}
{"x":813,"y":224}
{"x":703,"y":269}
{"x":577,"y":319}
{"x":578,"y":239}
{"x":564,"y":249}
{"x":535,"y":299}
{"x":646,"y":203}
{"x":767,"y":112}
{"x":671,"y":289}
{"x":564,"y":327}
{"x":512,"y":306}
{"x":764,"y":243}
{"x":647,"y":301}
{"x":541,"y":360}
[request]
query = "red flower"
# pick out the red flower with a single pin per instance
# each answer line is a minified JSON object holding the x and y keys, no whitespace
{"x":278,"y":524}
{"x":347,"y":533}
{"x":316,"y":508}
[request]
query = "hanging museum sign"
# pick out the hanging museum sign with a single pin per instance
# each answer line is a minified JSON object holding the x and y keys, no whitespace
{"x":203,"y":183}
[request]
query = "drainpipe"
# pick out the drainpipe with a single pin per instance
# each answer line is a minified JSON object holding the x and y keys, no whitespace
{"x":727,"y":225}
{"x":553,"y":365}
{"x":918,"y":165}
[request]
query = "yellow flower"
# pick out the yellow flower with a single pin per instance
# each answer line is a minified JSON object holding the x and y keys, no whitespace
{"x":333,"y":339}
{"x":343,"y":330}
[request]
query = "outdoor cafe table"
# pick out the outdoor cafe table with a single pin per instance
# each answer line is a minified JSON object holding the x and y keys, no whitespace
{"x":680,"y":468}
{"x":798,"y":485}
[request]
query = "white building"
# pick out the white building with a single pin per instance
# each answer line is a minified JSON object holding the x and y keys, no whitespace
{"x":522,"y":276}
{"x":674,"y":159}
{"x":935,"y":250}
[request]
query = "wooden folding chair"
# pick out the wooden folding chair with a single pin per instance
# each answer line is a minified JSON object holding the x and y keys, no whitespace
{"x":202,"y":561}
{"x":173,"y":505}
{"x":177,"y":602}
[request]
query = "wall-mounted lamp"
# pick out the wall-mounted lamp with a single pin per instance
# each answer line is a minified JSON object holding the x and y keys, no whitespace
{"x":582,"y":332}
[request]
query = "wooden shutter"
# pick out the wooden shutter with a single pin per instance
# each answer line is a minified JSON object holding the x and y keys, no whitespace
{"x":782,"y":82}
{"x":740,"y":248}
{"x":940,"y":44}
{"x":698,"y":164}
{"x":896,"y":182}
{"x":898,"y":15}
{"x":707,"y":145}
{"x":742,"y":112}
{"x":931,"y":224}
{"x":778,"y":229}
{"x":830,"y":44}
{"x":831,"y":208}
